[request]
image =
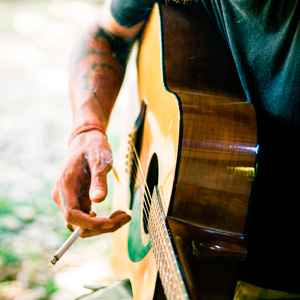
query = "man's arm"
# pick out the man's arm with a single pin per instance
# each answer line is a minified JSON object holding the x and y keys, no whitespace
{"x":96,"y":73}
{"x":97,"y":69}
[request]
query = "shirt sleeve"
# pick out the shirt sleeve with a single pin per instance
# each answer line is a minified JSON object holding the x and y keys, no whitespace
{"x":130,"y":12}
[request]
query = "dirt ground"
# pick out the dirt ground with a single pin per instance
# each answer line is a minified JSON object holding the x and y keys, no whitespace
{"x":36,"y":39}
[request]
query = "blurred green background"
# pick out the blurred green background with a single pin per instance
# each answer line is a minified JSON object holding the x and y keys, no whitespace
{"x":36,"y":38}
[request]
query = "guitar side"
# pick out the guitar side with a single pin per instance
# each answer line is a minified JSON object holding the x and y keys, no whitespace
{"x":218,"y":151}
{"x":203,"y":138}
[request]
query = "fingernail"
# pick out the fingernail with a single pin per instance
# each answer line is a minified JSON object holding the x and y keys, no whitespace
{"x":92,"y":213}
{"x":96,"y":194}
{"x":69,"y":226}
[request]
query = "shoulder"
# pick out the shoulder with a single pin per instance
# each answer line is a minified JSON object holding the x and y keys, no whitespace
{"x":130,"y":12}
{"x":125,"y":18}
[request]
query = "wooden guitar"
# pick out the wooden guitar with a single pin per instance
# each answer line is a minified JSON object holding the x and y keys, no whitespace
{"x":190,"y":163}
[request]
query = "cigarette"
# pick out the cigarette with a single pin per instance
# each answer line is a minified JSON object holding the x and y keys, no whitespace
{"x":66,"y":245}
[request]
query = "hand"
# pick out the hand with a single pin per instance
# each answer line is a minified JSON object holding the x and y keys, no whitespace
{"x":82,"y":180}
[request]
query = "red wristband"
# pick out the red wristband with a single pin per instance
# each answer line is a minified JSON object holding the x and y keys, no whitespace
{"x":84,"y":128}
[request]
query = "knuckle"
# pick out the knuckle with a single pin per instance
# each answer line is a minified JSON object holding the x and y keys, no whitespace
{"x":68,"y":215}
{"x":64,"y":178}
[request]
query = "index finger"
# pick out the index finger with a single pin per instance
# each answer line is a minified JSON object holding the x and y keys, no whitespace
{"x":71,"y":209}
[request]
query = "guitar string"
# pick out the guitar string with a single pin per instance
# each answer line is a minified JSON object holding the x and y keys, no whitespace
{"x":160,"y":245}
{"x":147,"y":196}
{"x":137,"y":165}
{"x":135,"y":172}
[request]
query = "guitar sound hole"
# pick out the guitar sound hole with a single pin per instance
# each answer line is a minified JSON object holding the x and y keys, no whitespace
{"x":152,"y":180}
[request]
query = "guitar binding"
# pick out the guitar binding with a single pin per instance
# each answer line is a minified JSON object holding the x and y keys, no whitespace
{"x":135,"y":139}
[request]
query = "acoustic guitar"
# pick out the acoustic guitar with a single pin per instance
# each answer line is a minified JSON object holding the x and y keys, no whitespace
{"x":190,"y":161}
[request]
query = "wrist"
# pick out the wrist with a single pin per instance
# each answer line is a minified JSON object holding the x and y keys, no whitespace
{"x":88,"y":119}
{"x":88,"y":112}
{"x":87,"y":127}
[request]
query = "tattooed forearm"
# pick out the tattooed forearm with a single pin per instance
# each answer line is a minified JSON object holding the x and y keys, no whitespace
{"x":96,"y":73}
{"x":93,"y":76}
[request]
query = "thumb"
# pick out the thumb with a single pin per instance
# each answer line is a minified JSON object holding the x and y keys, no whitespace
{"x":98,"y":188}
{"x":100,"y":164}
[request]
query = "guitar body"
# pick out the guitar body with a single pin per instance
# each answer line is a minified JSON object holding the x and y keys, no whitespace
{"x":194,"y":139}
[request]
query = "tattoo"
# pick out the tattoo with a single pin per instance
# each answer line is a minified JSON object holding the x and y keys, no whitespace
{"x":92,"y":77}
{"x":62,"y":199}
{"x":119,"y":46}
{"x":88,"y":52}
{"x":94,"y":89}
{"x":102,"y":65}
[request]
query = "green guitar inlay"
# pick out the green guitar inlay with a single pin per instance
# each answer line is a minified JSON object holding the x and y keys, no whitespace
{"x":137,"y":248}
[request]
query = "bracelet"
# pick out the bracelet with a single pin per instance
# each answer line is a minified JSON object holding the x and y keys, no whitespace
{"x":84,"y":128}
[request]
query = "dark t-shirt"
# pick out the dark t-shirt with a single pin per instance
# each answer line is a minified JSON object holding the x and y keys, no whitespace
{"x":264,"y":39}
